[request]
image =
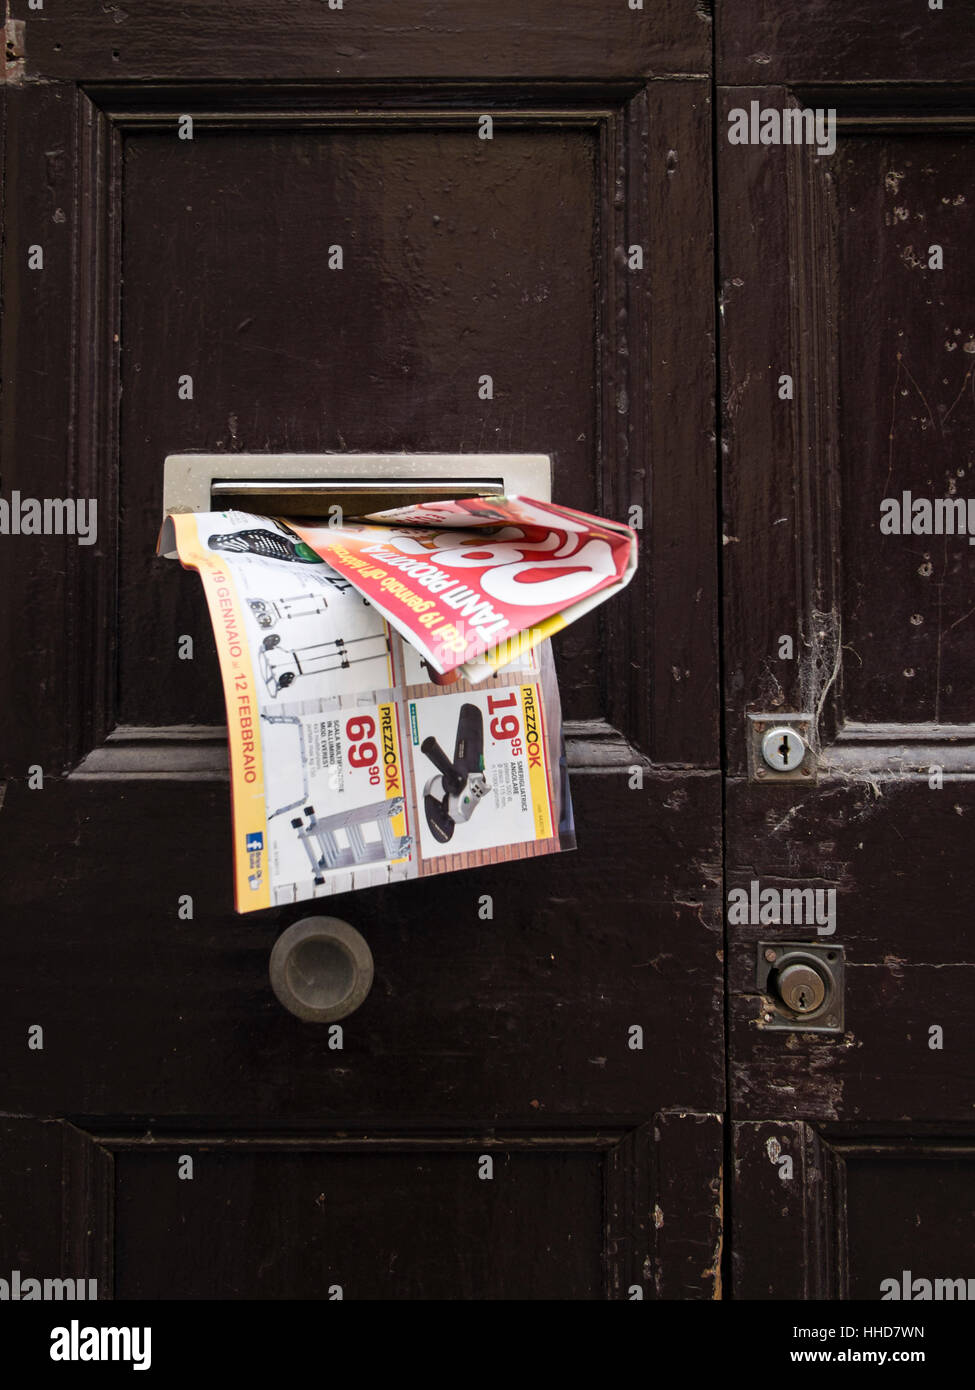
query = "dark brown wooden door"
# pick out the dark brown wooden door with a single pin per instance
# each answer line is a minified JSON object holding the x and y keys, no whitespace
{"x":163,"y":258}
{"x":851,"y":274}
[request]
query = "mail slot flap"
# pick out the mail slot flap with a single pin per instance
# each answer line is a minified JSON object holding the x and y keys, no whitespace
{"x":355,"y":497}
{"x":204,"y":482}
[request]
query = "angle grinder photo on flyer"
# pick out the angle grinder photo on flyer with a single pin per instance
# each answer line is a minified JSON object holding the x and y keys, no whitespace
{"x":366,"y":745}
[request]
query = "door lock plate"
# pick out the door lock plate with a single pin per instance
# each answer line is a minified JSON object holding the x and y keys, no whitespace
{"x":801,"y":983}
{"x":780,"y":748}
{"x":311,"y":484}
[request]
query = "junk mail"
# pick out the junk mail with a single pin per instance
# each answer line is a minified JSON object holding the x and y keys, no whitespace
{"x":353,"y":761}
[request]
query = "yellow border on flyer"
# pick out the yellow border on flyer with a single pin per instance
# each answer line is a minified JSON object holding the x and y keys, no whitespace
{"x":538,"y":785}
{"x":517,"y":645}
{"x":392,"y":765}
{"x":252,"y":880}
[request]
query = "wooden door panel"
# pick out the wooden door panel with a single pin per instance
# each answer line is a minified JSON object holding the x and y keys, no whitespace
{"x":580,"y":1214}
{"x":512,"y":257}
{"x":251,"y":41}
{"x":825,"y":278}
{"x":640,"y":667}
{"x":31,"y":1215}
{"x":386,"y":1225}
{"x":826,"y":1214}
{"x":879,"y":648}
{"x":445,"y":238}
{"x":908,"y":963}
{"x":40,"y":447}
{"x":518,"y":1020}
{"x":806,"y":522}
{"x":907,"y":338}
{"x":909,"y":1208}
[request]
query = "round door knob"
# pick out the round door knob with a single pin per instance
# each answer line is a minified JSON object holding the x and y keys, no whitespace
{"x":801,"y":988}
{"x":321,"y":969}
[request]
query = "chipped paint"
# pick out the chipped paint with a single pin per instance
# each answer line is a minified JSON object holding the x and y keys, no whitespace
{"x":803,"y":1076}
{"x":14,"y":51}
{"x":713,"y":1272}
{"x":910,"y":258}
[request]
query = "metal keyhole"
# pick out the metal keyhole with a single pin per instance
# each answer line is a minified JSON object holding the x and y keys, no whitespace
{"x":783,"y":749}
{"x":801,"y":988}
{"x":801,"y":984}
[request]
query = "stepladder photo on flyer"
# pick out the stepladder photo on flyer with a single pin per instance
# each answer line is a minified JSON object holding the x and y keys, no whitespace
{"x":352,"y":763}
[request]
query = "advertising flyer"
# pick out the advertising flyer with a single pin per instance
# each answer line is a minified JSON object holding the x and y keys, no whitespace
{"x":473,"y":584}
{"x":351,"y":766}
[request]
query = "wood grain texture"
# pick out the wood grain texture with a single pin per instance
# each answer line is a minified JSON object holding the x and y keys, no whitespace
{"x":37,"y":446}
{"x":250,"y":40}
{"x":804,"y":478}
{"x":901,"y":915}
{"x":816,"y":256}
{"x":905,"y":336}
{"x":524,"y":1018}
{"x":908,"y":1208}
{"x":832,"y":1211}
{"x":788,"y":1231}
{"x":688,"y":1215}
{"x":778,"y":548}
{"x":664,"y":1224}
{"x":881,"y":1069}
{"x":383,"y":1225}
{"x":830,"y":40}
{"x":681,"y":457}
{"x":566,"y":1215}
{"x":882,"y":844}
{"x":88,"y":1208}
{"x":30,"y":1194}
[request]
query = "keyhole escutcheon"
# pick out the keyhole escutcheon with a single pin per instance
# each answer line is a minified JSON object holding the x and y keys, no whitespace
{"x":783,"y":749}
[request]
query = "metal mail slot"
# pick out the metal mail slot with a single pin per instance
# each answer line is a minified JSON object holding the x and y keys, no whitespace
{"x":354,"y":496}
{"x":312,"y":484}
